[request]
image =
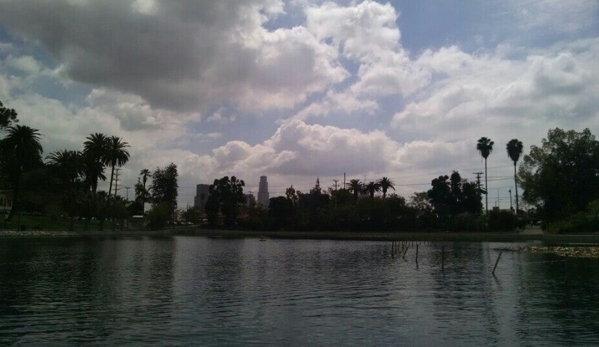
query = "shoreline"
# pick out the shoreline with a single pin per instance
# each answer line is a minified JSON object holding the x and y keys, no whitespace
{"x":320,"y":235}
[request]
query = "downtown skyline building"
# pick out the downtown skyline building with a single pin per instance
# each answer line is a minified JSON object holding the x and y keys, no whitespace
{"x":202,"y":193}
{"x":263,"y":196}
{"x":250,"y":200}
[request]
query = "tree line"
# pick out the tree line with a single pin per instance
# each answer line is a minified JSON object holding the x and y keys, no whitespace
{"x":560,"y":180}
{"x":65,"y":182}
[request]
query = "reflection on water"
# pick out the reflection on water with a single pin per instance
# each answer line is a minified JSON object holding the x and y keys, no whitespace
{"x":239,"y":292}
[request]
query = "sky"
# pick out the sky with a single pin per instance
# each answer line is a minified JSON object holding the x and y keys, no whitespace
{"x":301,"y":89}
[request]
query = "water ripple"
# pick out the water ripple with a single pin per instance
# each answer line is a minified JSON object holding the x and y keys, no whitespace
{"x":190,"y":291}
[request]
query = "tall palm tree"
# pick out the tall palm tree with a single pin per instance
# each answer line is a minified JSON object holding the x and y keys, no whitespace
{"x":94,"y":152}
{"x":371,"y":188}
{"x":485,"y":147}
{"x":385,"y":183}
{"x":514,"y":150}
{"x":22,"y":150}
{"x":116,"y":155}
{"x":355,"y":186}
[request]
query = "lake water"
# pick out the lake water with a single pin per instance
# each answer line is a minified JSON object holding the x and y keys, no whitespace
{"x":200,"y":291}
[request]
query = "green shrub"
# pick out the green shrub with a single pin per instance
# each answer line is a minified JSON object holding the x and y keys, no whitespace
{"x":158,"y":216}
{"x":468,"y":222}
{"x":502,"y":220}
{"x":576,"y":223}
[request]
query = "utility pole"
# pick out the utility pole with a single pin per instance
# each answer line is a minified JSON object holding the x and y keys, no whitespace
{"x":335,"y":192}
{"x":498,"y":189}
{"x":478,"y":174}
{"x":344,"y":180}
{"x":478,"y":178}
{"x":511,"y":207}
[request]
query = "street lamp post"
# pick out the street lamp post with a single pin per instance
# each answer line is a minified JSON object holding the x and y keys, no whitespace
{"x":498,"y":206}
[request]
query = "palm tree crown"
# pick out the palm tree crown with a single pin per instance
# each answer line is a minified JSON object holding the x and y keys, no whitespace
{"x":22,"y":150}
{"x":372,"y":188}
{"x":355,"y":186}
{"x":22,"y":144}
{"x":96,"y":145}
{"x":485,"y":147}
{"x":116,"y":155}
{"x":68,"y":165}
{"x":514,"y":150}
{"x":94,"y":150}
{"x":385,"y":183}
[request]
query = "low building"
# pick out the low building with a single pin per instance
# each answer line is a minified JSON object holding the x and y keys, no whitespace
{"x":136,"y":222}
{"x":250,"y":200}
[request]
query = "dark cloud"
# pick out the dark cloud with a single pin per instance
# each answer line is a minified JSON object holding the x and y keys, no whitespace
{"x":179,"y":55}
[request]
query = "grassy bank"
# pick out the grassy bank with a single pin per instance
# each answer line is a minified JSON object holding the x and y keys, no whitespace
{"x":45,"y":223}
{"x":590,"y":239}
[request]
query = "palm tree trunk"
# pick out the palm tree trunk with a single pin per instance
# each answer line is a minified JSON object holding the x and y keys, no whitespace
{"x":13,"y":208}
{"x":15,"y":199}
{"x":143,"y":198}
{"x":111,"y":178}
{"x":516,"y":184}
{"x":109,"y":191}
{"x":486,"y":189}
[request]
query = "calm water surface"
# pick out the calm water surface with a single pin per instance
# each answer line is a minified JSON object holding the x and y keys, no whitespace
{"x":200,"y":291}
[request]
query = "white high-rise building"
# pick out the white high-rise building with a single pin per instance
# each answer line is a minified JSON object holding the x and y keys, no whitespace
{"x":263,"y":198}
{"x":202,"y":194}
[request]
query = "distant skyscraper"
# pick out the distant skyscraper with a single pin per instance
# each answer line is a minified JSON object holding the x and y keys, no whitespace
{"x":263,"y":198}
{"x":250,"y":200}
{"x":202,"y":194}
